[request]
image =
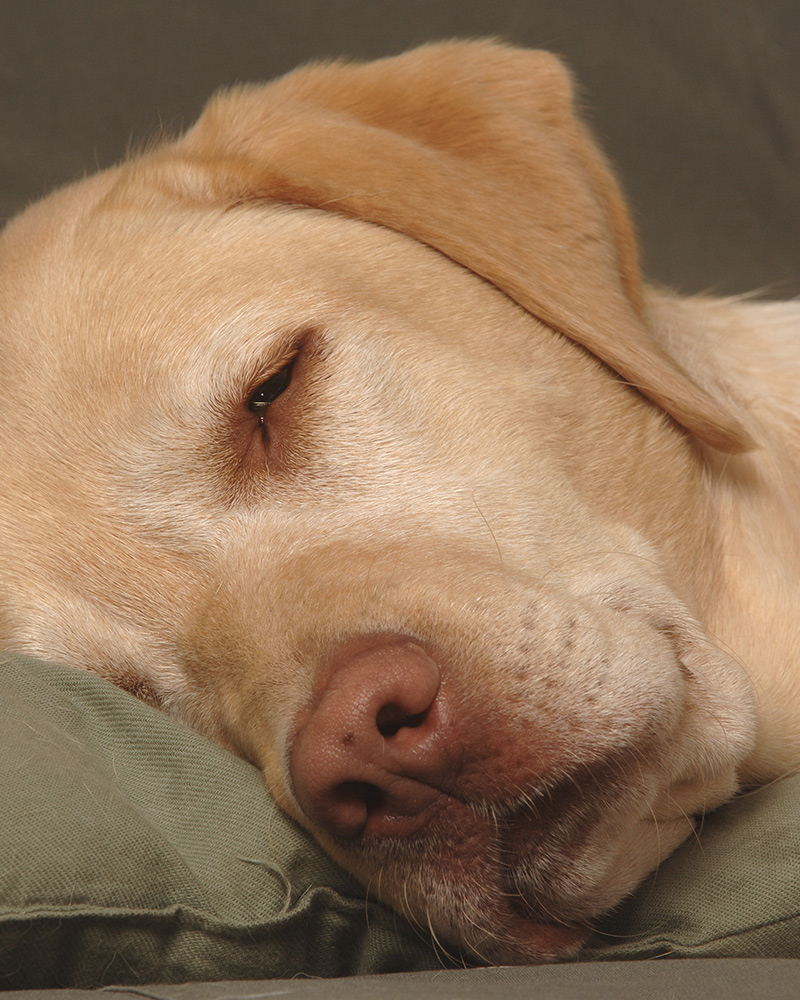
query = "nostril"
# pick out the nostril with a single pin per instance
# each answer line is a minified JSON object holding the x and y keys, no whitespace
{"x":392,"y":718}
{"x":372,"y":752}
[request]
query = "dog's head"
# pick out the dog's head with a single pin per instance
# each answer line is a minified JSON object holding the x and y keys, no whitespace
{"x":319,"y":430}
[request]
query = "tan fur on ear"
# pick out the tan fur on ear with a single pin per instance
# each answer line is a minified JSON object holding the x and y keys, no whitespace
{"x":474,"y":149}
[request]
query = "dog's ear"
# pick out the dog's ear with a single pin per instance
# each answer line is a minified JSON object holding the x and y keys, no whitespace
{"x":474,"y":149}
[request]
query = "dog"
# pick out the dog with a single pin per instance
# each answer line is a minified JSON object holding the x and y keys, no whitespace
{"x":344,"y":428}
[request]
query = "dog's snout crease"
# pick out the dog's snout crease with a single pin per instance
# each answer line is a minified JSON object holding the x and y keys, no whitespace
{"x":372,"y":754}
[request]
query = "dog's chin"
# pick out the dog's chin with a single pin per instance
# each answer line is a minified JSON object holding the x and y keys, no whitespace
{"x":524,"y":887}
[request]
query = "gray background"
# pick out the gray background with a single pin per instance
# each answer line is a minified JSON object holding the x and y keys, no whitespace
{"x":696,"y":101}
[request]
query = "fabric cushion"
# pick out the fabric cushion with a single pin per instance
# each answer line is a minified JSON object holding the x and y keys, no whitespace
{"x":134,"y":850}
{"x":733,"y":890}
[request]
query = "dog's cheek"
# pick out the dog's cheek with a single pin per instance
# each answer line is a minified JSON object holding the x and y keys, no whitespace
{"x":719,"y":725}
{"x":719,"y":729}
{"x":68,"y":628}
{"x":243,"y":683}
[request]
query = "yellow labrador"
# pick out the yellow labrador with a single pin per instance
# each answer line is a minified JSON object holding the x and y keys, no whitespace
{"x":344,"y":429}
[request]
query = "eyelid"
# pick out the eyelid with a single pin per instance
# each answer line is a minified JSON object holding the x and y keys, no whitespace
{"x":285,"y":360}
{"x":282,"y":378}
{"x":302,"y":344}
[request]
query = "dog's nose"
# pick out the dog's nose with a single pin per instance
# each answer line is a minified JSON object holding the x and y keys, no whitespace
{"x":372,"y":755}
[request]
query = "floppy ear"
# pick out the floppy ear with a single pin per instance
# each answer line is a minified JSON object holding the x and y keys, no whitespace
{"x":474,"y":149}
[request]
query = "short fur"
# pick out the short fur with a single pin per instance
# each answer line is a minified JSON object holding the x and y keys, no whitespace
{"x":576,"y":493}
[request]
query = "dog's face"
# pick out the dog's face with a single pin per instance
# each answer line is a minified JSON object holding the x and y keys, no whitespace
{"x":346,"y":506}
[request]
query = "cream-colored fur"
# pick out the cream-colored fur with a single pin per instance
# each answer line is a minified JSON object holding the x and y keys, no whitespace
{"x":578,"y":494}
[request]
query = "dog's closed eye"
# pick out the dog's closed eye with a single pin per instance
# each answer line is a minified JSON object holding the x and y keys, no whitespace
{"x":269,"y":390}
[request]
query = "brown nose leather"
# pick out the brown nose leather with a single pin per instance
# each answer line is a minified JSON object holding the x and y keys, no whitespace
{"x":371,"y":754}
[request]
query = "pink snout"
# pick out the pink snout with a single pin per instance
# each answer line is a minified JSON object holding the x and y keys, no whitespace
{"x":375,"y":752}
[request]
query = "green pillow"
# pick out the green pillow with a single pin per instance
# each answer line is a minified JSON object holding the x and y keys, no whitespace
{"x":733,"y":891}
{"x":134,"y":850}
